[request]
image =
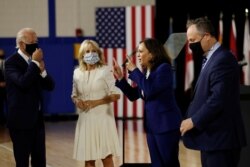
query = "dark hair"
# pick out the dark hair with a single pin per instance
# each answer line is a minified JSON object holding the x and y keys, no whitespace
{"x":158,"y":52}
{"x":203,"y":25}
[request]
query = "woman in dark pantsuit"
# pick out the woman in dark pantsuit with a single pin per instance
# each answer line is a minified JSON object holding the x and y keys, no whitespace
{"x":162,"y":116}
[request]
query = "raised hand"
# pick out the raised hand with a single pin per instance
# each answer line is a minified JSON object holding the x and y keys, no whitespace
{"x":130,"y":65}
{"x":37,"y":55}
{"x":117,"y":70}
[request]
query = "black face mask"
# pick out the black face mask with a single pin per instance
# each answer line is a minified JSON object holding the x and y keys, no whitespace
{"x":31,"y":48}
{"x":196,"y":48}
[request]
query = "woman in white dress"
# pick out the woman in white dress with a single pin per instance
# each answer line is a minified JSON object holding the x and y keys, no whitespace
{"x":93,"y":92}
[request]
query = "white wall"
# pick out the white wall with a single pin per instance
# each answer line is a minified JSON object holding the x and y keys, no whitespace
{"x":70,"y":14}
{"x":16,"y":14}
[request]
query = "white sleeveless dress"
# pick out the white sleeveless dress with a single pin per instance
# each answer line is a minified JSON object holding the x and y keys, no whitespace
{"x":96,"y":134}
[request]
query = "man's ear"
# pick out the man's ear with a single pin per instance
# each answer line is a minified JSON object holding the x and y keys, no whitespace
{"x":22,"y":45}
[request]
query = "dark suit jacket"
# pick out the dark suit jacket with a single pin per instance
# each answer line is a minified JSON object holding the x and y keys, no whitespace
{"x":2,"y":70}
{"x":215,"y":108}
{"x":24,"y":92}
{"x":2,"y":89}
{"x":2,"y":93}
{"x":161,"y":111}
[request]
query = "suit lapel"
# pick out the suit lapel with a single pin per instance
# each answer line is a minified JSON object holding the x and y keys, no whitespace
{"x":205,"y":69}
{"x":200,"y":77}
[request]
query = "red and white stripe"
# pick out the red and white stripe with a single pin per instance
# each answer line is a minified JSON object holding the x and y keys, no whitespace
{"x":233,"y":38}
{"x":139,"y":25}
{"x":220,"y":34}
{"x":189,"y":68}
{"x":246,"y":52}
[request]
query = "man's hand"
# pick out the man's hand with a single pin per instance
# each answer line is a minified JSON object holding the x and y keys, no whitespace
{"x":186,"y":125}
{"x":2,"y":84}
{"x":37,"y":55}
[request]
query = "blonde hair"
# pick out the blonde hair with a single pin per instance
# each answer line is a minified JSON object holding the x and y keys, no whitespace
{"x":82,"y":50}
{"x":22,"y":35}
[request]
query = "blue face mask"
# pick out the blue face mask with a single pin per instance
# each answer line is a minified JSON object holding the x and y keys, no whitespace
{"x":91,"y":58}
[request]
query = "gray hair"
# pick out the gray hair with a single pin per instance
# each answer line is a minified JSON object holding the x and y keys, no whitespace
{"x":203,"y":25}
{"x":22,"y":35}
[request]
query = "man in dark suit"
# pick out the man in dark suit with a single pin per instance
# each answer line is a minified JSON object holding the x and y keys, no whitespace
{"x":26,"y":77}
{"x":2,"y":90}
{"x":214,"y":122}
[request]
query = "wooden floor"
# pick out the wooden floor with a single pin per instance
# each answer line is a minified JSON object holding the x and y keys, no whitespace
{"x":59,"y":145}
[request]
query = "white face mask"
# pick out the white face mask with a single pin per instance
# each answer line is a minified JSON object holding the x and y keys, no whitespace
{"x":91,"y":58}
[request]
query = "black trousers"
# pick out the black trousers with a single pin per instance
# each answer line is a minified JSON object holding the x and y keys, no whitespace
{"x":28,"y":143}
{"x":2,"y":107}
{"x":220,"y":158}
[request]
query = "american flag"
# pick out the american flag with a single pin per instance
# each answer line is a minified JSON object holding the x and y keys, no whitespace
{"x":220,"y":31}
{"x":189,"y":68}
{"x":246,"y":52}
{"x":118,"y":32}
{"x":233,"y":38}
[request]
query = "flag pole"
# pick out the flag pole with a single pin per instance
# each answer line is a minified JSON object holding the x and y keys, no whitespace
{"x":123,"y":126}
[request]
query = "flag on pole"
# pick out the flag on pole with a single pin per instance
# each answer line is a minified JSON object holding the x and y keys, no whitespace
{"x":246,"y":52}
{"x":220,"y":33}
{"x":170,"y":26}
{"x":233,"y":38}
{"x":189,"y":68}
{"x":118,"y":32}
{"x":172,"y":60}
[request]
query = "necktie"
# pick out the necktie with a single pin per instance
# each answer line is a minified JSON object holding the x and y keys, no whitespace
{"x":204,"y":62}
{"x":29,"y":60}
